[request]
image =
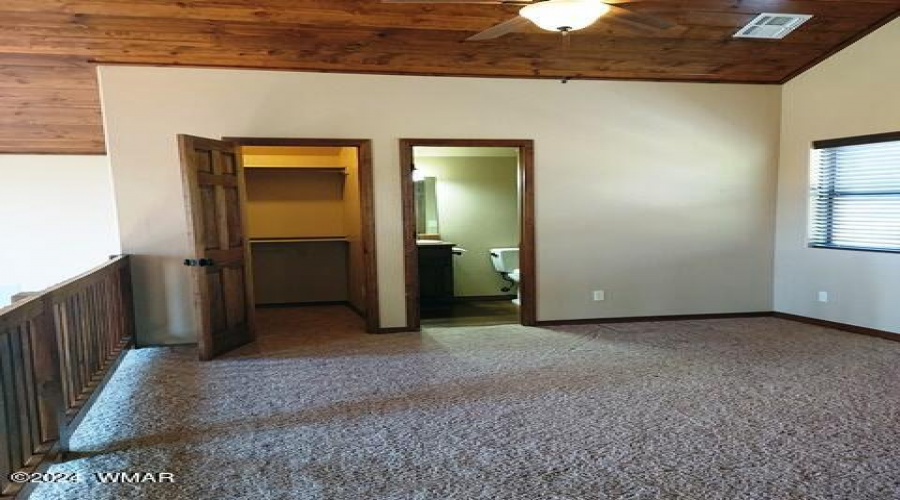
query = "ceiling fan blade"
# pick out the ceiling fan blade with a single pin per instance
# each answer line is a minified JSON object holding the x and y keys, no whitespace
{"x":501,"y":29}
{"x":630,"y":17}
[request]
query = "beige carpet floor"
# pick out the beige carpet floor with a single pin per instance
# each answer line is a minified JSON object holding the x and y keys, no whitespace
{"x":721,"y":409}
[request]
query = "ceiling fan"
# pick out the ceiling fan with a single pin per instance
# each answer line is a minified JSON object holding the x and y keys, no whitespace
{"x":562,"y":16}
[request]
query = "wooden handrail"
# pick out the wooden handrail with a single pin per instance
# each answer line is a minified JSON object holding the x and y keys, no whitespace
{"x":57,"y":349}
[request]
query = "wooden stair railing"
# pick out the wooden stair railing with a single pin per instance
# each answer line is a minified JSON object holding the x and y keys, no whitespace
{"x":57,"y":350}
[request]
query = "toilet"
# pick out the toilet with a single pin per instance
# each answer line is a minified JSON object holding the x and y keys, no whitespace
{"x":506,"y":263}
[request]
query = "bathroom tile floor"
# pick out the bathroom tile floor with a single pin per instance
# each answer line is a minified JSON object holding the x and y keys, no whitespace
{"x":473,"y":313}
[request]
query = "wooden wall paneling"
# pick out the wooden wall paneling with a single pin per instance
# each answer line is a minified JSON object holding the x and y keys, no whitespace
{"x":49,"y":104}
{"x":48,"y":48}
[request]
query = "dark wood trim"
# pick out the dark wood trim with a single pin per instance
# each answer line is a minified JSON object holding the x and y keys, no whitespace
{"x":872,"y":332}
{"x":852,"y":249}
{"x":281,"y":305}
{"x":166,"y":346}
{"x":367,"y":207}
{"x":527,"y":250}
{"x":299,"y":142}
{"x":646,"y":319}
{"x":370,"y":256}
{"x":74,"y":152}
{"x":399,"y":329}
{"x":850,"y":41}
{"x":858,"y":140}
{"x":410,"y":250}
{"x":359,"y":312}
{"x":862,"y":330}
{"x":484,"y":298}
{"x":568,"y":78}
{"x":527,"y":254}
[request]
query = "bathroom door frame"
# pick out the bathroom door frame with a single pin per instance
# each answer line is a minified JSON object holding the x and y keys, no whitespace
{"x":367,"y":208}
{"x":527,"y":255}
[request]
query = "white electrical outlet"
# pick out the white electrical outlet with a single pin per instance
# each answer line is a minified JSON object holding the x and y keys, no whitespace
{"x":823,"y":296}
{"x":599,"y":295}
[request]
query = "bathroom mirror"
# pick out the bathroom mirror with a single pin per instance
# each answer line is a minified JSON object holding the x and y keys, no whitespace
{"x":426,"y":208}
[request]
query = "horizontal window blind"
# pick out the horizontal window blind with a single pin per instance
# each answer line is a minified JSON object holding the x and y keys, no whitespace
{"x":856,"y":196}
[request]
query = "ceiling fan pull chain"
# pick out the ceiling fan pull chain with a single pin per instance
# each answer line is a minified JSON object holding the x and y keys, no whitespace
{"x":566,"y":39}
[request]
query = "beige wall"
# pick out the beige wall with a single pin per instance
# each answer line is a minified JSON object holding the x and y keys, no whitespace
{"x":478,"y":209}
{"x":852,"y":93}
{"x":660,"y":193}
{"x":58,"y":219}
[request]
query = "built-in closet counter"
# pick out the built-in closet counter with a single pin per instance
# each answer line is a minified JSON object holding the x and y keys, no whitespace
{"x":300,"y":239}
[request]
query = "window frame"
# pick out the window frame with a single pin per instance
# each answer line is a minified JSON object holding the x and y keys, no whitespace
{"x":860,"y":140}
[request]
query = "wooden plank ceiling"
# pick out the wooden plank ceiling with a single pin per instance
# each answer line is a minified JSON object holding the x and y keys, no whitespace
{"x":48,"y":48}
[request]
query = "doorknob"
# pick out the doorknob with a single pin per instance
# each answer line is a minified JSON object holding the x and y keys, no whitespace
{"x":199,"y":262}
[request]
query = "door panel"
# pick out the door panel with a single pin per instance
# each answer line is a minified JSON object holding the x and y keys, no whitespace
{"x":216,"y":301}
{"x":214,"y":191}
{"x":210,"y":228}
{"x":233,"y":284}
{"x":235,"y":230}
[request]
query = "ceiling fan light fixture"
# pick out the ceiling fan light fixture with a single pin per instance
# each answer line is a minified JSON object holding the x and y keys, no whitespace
{"x":564,"y":15}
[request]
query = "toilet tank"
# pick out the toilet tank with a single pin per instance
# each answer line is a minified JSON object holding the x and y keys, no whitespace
{"x":505,"y":260}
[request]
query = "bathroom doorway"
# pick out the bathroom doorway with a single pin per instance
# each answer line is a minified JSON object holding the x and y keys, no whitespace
{"x":468,"y":214}
{"x":310,"y":224}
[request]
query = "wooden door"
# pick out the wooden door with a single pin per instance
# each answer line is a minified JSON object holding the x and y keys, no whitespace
{"x":214,"y":190}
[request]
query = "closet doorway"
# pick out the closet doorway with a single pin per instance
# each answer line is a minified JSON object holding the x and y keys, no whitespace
{"x":310,"y":223}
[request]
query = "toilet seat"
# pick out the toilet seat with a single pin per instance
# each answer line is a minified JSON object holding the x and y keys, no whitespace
{"x":514,"y":275}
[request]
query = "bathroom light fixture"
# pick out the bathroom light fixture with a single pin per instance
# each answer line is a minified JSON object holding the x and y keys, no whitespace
{"x":564,"y":15}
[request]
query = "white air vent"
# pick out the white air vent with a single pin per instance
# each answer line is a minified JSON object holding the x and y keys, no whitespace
{"x":772,"y":26}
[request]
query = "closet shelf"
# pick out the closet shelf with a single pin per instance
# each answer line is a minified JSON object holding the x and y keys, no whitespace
{"x":301,"y":239}
{"x":320,"y":170}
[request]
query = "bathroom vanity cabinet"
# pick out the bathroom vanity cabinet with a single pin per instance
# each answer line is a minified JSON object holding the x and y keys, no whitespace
{"x":436,"y":276}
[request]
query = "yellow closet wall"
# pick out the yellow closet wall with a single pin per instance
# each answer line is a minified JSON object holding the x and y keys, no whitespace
{"x":292,"y":202}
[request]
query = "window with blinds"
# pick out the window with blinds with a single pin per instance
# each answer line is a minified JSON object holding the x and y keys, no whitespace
{"x":856,"y":193}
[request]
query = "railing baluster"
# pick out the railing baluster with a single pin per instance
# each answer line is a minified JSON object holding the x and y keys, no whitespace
{"x":62,"y":328}
{"x":106,"y":316}
{"x":20,"y":384}
{"x":10,"y":400}
{"x":81,"y":328}
{"x":31,"y":387}
{"x":90,"y":330}
{"x":6,"y":436}
{"x":73,"y":348}
{"x":48,"y":372}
